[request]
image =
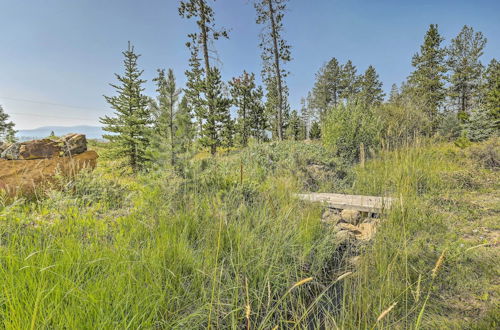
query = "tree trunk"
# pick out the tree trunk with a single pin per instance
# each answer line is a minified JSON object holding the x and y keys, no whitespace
{"x":172,"y":156}
{"x":274,"y":34}
{"x":204,"y":41}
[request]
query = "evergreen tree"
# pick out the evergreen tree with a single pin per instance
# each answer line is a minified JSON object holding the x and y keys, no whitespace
{"x":194,"y":86}
{"x":168,"y":95}
{"x":466,"y":69}
{"x":275,"y":52}
{"x":394,"y":95}
{"x":294,"y":129}
{"x":257,"y":116}
{"x":184,"y":127}
{"x":349,"y":84}
{"x":371,"y":88}
{"x":315,"y":132}
{"x":217,"y":129}
{"x":131,"y":124}
{"x":492,"y":91}
{"x":328,"y":86}
{"x":200,"y":42}
{"x":246,"y":97}
{"x":427,"y":81}
{"x":7,"y":132}
{"x":480,"y":126}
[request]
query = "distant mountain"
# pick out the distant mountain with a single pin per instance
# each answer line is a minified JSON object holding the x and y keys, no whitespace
{"x":92,"y":132}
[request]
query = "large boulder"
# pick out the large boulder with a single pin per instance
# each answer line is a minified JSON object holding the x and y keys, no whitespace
{"x":24,"y":176}
{"x":73,"y":144}
{"x":36,"y":149}
{"x":68,"y":145}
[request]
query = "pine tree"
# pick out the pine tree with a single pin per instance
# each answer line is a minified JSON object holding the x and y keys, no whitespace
{"x":328,"y":86}
{"x":194,"y":86}
{"x":184,"y":127}
{"x":246,"y":97}
{"x":480,"y":126}
{"x":257,"y":116}
{"x":217,"y":130}
{"x":492,"y":91}
{"x":130,"y":127}
{"x":275,"y":52}
{"x":349,"y":84}
{"x":315,"y":132}
{"x":394,"y":95}
{"x":295,"y":127}
{"x":466,"y":69}
{"x":7,"y":132}
{"x":168,"y":95}
{"x":427,"y":81}
{"x":210,"y":103}
{"x":371,"y":88}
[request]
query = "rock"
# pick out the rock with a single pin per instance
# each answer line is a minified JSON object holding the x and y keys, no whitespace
{"x":23,"y":176}
{"x":329,"y":216}
{"x":362,"y":232}
{"x":73,"y":144}
{"x":347,"y":226}
{"x":343,"y":235}
{"x":3,"y":146}
{"x":35,"y":149}
{"x":11,"y":152}
{"x":367,"y":230}
{"x":350,"y":216}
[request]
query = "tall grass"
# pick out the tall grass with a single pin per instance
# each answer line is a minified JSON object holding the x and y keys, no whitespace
{"x":211,"y":248}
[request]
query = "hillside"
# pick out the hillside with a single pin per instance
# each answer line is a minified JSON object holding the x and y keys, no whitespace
{"x":224,"y":243}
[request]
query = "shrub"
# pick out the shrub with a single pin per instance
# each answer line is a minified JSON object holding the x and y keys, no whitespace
{"x":348,"y":126}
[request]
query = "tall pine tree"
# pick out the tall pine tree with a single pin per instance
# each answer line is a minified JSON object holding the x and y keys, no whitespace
{"x":246,"y":97}
{"x":349,"y":82}
{"x":206,"y":96}
{"x":492,"y":92}
{"x":371,"y":88}
{"x":426,"y":83}
{"x":328,"y":86}
{"x":130,"y":127}
{"x":166,"y":104}
{"x":275,"y":52}
{"x":466,"y":70}
{"x":217,"y":125}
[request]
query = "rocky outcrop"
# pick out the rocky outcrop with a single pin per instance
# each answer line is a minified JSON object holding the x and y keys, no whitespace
{"x":73,"y":144}
{"x":68,"y":145}
{"x":24,"y":176}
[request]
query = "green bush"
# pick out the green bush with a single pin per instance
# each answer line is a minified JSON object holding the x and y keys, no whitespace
{"x":347,"y":127}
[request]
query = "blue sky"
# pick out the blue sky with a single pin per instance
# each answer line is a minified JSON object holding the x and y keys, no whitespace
{"x":59,"y":53}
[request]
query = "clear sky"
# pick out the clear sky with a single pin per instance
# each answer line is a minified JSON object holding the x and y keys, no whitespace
{"x":58,"y":56}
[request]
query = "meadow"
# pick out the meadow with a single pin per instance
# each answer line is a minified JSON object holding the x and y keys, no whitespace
{"x":221,"y":242}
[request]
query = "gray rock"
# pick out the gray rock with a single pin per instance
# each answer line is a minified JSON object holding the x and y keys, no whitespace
{"x":11,"y":152}
{"x":73,"y":144}
{"x":350,"y":216}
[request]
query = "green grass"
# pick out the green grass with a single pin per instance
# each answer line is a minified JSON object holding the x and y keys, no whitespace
{"x":223,"y":244}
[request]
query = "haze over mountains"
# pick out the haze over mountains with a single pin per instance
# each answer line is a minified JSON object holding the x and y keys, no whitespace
{"x":92,"y":132}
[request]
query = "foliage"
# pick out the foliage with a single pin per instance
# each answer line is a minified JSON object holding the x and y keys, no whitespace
{"x":275,"y":53}
{"x":164,"y":111}
{"x":427,"y":81}
{"x":466,"y":68}
{"x":480,"y":125}
{"x":370,"y":90}
{"x":349,"y":126}
{"x":130,"y":127}
{"x":7,"y":132}
{"x":247,"y":97}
